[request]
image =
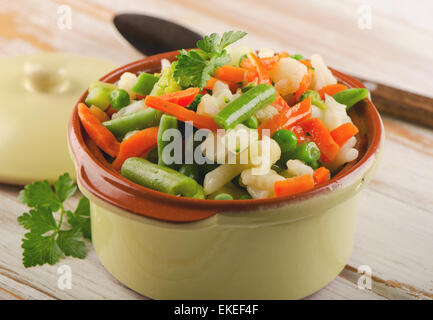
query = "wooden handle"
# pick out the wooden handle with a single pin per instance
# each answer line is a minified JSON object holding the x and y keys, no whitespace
{"x":401,"y":104}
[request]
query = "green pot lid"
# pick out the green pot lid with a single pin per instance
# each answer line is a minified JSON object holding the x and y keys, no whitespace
{"x":37,"y":94}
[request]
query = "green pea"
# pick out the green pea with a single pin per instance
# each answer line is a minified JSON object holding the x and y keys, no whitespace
{"x":223,"y":196}
{"x":119,"y":98}
{"x":351,"y":96}
{"x":307,"y":152}
{"x":245,"y":197}
{"x":286,"y":139}
{"x":252,"y":122}
{"x":315,"y":99}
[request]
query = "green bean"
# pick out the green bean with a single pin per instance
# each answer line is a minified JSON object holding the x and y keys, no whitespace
{"x":297,"y":56}
{"x":135,"y":121}
{"x":145,"y":83}
{"x":286,"y":139}
{"x":223,"y":196}
{"x":252,"y":122}
{"x":190,"y":170}
{"x":98,"y":96}
{"x":194,"y":104}
{"x":315,"y":99}
{"x":160,"y":178}
{"x":119,"y":98}
{"x":350,"y":96}
{"x":243,"y":107}
{"x":100,"y":84}
{"x":166,"y":122}
{"x":307,"y":152}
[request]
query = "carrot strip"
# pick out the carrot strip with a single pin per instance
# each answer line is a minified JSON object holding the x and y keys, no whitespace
{"x":211,"y":82}
{"x":136,"y":145}
{"x":98,"y":113}
{"x":293,"y":185}
{"x":181,"y":113}
{"x":331,"y":89}
{"x":268,"y":63}
{"x":305,"y":84}
{"x":103,"y":138}
{"x":321,"y":175}
{"x":344,"y":132}
{"x":301,"y":135}
{"x":322,"y":137}
{"x":288,"y":117}
{"x":234,"y":74}
{"x":183,"y":98}
{"x":262,"y":73}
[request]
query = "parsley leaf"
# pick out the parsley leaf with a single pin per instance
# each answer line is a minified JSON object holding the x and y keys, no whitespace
{"x":70,"y":242}
{"x":39,"y":250}
{"x":65,"y":187}
{"x":39,"y":194}
{"x":49,"y":238}
{"x":81,"y":217}
{"x":195,"y":67}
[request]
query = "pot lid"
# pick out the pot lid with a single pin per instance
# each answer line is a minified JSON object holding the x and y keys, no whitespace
{"x":37,"y":95}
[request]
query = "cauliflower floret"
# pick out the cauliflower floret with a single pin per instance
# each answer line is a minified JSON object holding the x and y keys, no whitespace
{"x":316,"y":112}
{"x":210,"y":105}
{"x":335,"y":115}
{"x":266,"y":53}
{"x":260,"y":186}
{"x":346,"y":154}
{"x":133,"y":107}
{"x":322,"y":75}
{"x":239,"y":138}
{"x":266,"y":113}
{"x":236,"y":54}
{"x":287,"y":75}
{"x":260,"y":155}
{"x":127,"y":81}
{"x":297,"y":168}
{"x":165,"y":63}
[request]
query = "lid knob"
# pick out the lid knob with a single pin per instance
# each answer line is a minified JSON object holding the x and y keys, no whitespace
{"x":45,"y":78}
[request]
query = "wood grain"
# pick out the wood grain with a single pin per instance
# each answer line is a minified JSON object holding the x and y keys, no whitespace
{"x":401,"y":104}
{"x":395,"y":225}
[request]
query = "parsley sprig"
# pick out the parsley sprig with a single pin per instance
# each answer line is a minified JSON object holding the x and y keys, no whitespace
{"x":195,"y":67}
{"x":49,"y":239}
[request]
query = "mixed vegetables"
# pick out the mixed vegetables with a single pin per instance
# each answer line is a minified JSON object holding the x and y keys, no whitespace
{"x":225,"y":123}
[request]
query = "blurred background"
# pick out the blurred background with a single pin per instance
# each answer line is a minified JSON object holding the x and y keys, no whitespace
{"x":390,"y":41}
{"x":386,"y":41}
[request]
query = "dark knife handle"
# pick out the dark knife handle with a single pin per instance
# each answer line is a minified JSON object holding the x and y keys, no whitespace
{"x":401,"y":104}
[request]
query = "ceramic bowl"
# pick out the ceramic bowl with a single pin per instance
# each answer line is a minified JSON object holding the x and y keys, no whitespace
{"x":167,"y":247}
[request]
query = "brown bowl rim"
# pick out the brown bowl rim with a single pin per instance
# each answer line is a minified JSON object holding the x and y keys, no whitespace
{"x":109,"y":185}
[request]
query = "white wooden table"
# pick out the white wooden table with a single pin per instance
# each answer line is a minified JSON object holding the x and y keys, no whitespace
{"x":395,"y":228}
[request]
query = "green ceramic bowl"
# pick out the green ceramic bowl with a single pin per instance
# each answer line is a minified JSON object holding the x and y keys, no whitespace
{"x":167,"y":247}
